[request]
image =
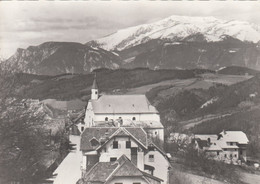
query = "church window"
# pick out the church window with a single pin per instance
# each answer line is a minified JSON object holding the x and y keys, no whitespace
{"x":106,"y":118}
{"x":133,"y":118}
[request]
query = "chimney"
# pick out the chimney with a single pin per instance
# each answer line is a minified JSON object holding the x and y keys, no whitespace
{"x":106,"y":135}
{"x":209,"y":141}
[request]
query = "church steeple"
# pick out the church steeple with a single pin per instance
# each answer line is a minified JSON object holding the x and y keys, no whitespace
{"x":94,"y":89}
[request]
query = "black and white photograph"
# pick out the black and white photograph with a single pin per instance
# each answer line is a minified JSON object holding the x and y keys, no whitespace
{"x":129,"y":92}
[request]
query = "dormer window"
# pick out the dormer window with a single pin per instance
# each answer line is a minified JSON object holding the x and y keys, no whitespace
{"x":94,"y":142}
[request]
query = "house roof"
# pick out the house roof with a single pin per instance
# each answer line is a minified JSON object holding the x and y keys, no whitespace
{"x":117,"y":104}
{"x":105,"y":171}
{"x":212,"y":137}
{"x":235,"y":136}
{"x":202,"y":143}
{"x":214,"y":147}
{"x":98,"y":133}
{"x":223,"y":144}
{"x":144,"y":124}
{"x":100,"y":172}
{"x":106,"y":133}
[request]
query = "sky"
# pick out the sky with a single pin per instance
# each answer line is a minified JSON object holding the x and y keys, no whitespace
{"x":31,"y":23}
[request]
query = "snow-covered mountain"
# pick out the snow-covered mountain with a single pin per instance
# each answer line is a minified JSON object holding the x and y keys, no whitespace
{"x":179,"y":28}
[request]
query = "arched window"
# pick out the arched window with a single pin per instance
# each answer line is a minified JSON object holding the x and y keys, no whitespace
{"x":133,"y":118}
{"x":106,"y":119}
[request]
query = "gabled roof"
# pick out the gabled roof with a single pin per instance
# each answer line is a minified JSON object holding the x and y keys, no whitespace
{"x":107,"y":133}
{"x":116,"y":104}
{"x":105,"y":171}
{"x":126,"y":168}
{"x":100,"y":172}
{"x":235,"y":136}
{"x":98,"y":133}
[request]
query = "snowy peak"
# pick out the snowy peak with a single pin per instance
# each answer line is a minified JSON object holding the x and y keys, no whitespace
{"x":178,"y":28}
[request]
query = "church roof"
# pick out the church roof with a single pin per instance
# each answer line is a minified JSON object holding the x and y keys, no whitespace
{"x":116,"y":104}
{"x":94,"y":86}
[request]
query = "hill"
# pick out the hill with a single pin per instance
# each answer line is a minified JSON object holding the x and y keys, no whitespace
{"x":237,"y":70}
{"x":77,"y":86}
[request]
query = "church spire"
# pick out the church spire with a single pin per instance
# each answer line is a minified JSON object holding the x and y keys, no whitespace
{"x":94,"y":86}
{"x":94,"y":89}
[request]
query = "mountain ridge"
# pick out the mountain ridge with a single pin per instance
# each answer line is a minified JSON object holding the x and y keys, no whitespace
{"x":53,"y":58}
{"x":177,"y":28}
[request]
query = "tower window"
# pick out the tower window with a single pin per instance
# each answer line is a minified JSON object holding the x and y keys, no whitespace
{"x":95,"y":92}
{"x":133,"y":118}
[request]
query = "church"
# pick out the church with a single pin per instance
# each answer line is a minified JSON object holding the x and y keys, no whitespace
{"x":122,"y":111}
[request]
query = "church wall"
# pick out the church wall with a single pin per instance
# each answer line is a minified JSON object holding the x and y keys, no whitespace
{"x":138,"y":117}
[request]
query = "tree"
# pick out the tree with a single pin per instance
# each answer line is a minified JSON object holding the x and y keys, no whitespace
{"x":22,"y":141}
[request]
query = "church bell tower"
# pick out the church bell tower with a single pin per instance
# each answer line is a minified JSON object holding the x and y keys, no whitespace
{"x":94,"y":90}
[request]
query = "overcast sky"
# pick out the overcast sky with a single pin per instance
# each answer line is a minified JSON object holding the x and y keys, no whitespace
{"x":31,"y":23}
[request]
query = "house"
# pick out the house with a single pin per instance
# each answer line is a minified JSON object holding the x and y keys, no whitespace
{"x":228,"y":146}
{"x":120,"y":171}
{"x":122,"y":110}
{"x":108,"y":144}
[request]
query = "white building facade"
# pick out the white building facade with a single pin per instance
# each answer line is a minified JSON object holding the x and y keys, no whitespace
{"x":122,"y":110}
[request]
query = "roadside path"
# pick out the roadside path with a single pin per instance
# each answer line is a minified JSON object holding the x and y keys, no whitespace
{"x":69,"y":171}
